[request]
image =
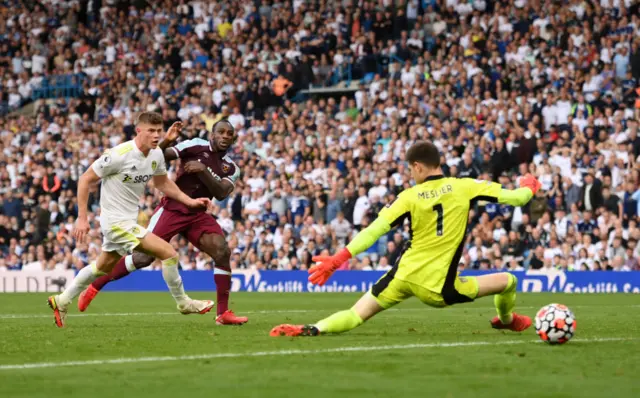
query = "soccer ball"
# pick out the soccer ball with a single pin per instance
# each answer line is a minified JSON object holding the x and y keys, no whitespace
{"x":555,"y":324}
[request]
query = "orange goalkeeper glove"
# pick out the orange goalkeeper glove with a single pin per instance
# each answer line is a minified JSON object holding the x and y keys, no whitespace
{"x":529,"y":181}
{"x":320,"y":274}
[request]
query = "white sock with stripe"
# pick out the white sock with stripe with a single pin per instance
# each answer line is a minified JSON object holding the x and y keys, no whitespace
{"x":82,"y":281}
{"x":173,"y":280}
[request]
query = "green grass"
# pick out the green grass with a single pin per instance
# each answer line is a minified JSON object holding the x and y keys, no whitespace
{"x":524,"y":368}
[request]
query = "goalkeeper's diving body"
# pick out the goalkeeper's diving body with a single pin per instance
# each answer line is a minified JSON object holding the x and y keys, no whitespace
{"x":437,"y":209}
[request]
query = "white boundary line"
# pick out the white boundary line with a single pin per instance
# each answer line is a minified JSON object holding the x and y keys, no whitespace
{"x":124,"y":314}
{"x":291,"y":311}
{"x":117,"y":361}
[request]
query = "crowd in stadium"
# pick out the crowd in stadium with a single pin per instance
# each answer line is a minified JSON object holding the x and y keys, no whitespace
{"x":501,"y":87}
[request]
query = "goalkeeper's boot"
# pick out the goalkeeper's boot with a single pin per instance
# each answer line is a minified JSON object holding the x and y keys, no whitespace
{"x":86,"y":297}
{"x":59,"y":312}
{"x":518,"y":324}
{"x":294,"y":330}
{"x":229,"y":318}
{"x":191,"y":306}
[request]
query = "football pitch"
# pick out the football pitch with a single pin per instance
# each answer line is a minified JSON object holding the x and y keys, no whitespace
{"x":138,"y":345}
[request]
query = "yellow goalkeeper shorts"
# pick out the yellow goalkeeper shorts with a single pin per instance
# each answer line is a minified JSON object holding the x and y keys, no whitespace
{"x":389,"y":293}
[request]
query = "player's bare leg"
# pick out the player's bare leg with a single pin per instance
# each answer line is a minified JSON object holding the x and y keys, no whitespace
{"x":154,"y":246}
{"x":340,"y":322}
{"x":124,"y":267}
{"x":88,"y":274}
{"x":503,"y":288}
{"x":216,"y":246}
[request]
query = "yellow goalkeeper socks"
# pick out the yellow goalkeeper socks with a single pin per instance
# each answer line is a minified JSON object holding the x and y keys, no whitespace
{"x":506,"y":300}
{"x":340,"y":322}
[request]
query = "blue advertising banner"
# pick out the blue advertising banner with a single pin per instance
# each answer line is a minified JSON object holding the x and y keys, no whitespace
{"x":361,"y":281}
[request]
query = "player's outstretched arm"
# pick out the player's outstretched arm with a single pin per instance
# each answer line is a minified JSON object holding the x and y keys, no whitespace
{"x":169,"y":188}
{"x":516,"y":197}
{"x":218,"y":187}
{"x":320,"y":274}
{"x":389,"y":216}
{"x":529,"y":185}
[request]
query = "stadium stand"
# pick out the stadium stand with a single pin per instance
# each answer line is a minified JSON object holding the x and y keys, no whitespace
{"x":501,"y":87}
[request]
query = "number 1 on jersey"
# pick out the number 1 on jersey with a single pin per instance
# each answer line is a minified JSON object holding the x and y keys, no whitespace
{"x":438,"y":208}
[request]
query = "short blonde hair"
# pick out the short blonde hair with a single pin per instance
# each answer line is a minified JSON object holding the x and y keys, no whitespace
{"x":149,"y":118}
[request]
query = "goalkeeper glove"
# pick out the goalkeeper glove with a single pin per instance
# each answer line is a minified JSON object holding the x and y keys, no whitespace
{"x":529,"y":181}
{"x":319,"y":274}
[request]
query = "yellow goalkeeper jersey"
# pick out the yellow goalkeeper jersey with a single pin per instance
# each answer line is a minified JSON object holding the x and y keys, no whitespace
{"x":438,"y":212}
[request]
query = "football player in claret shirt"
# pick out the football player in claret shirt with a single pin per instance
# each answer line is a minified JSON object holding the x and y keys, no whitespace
{"x":205,"y":171}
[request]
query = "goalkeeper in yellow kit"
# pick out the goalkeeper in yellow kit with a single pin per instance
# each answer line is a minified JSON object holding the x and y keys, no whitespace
{"x":437,"y":209}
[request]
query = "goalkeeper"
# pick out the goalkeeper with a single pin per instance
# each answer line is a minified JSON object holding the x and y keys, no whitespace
{"x":437,"y":210}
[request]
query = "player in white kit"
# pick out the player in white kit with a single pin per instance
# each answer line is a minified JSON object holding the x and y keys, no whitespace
{"x":124,"y":171}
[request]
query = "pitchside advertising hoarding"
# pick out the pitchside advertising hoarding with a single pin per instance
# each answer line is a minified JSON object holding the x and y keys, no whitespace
{"x":35,"y":281}
{"x":296,"y":281}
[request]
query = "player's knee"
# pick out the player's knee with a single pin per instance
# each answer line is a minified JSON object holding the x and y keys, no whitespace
{"x":141,"y":260}
{"x":502,"y":282}
{"x":222,"y":254}
{"x":217,"y":248}
{"x":511,"y":282}
{"x":168,"y":253}
{"x":225,"y":252}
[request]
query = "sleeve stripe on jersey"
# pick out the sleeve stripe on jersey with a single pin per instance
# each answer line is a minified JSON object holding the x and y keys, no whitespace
{"x":492,"y":199}
{"x":191,"y":143}
{"x":176,"y":151}
{"x":230,"y":180}
{"x":124,"y":149}
{"x":398,"y":221}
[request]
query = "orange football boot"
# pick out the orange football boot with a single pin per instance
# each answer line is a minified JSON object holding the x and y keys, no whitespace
{"x":518,"y":324}
{"x":86,"y":297}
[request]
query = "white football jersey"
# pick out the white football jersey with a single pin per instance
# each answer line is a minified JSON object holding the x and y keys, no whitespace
{"x":125,"y":172}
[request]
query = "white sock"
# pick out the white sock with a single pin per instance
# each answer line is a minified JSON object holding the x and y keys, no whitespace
{"x":173,"y":280}
{"x":128,"y":263}
{"x":82,"y":280}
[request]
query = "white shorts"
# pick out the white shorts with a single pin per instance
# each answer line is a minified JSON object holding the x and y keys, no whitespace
{"x":122,"y":237}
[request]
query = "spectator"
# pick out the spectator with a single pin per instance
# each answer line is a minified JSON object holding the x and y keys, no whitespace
{"x":360,"y":208}
{"x":611,"y":203}
{"x":495,"y":109}
{"x":591,"y":193}
{"x":341,"y":228}
{"x":51,"y":183}
{"x":538,"y":206}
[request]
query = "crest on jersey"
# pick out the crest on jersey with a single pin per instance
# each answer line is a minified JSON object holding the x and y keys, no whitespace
{"x":154,"y":165}
{"x":226,"y":167}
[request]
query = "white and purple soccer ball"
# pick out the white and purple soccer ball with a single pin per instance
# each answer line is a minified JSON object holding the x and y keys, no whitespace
{"x":555,"y":324}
